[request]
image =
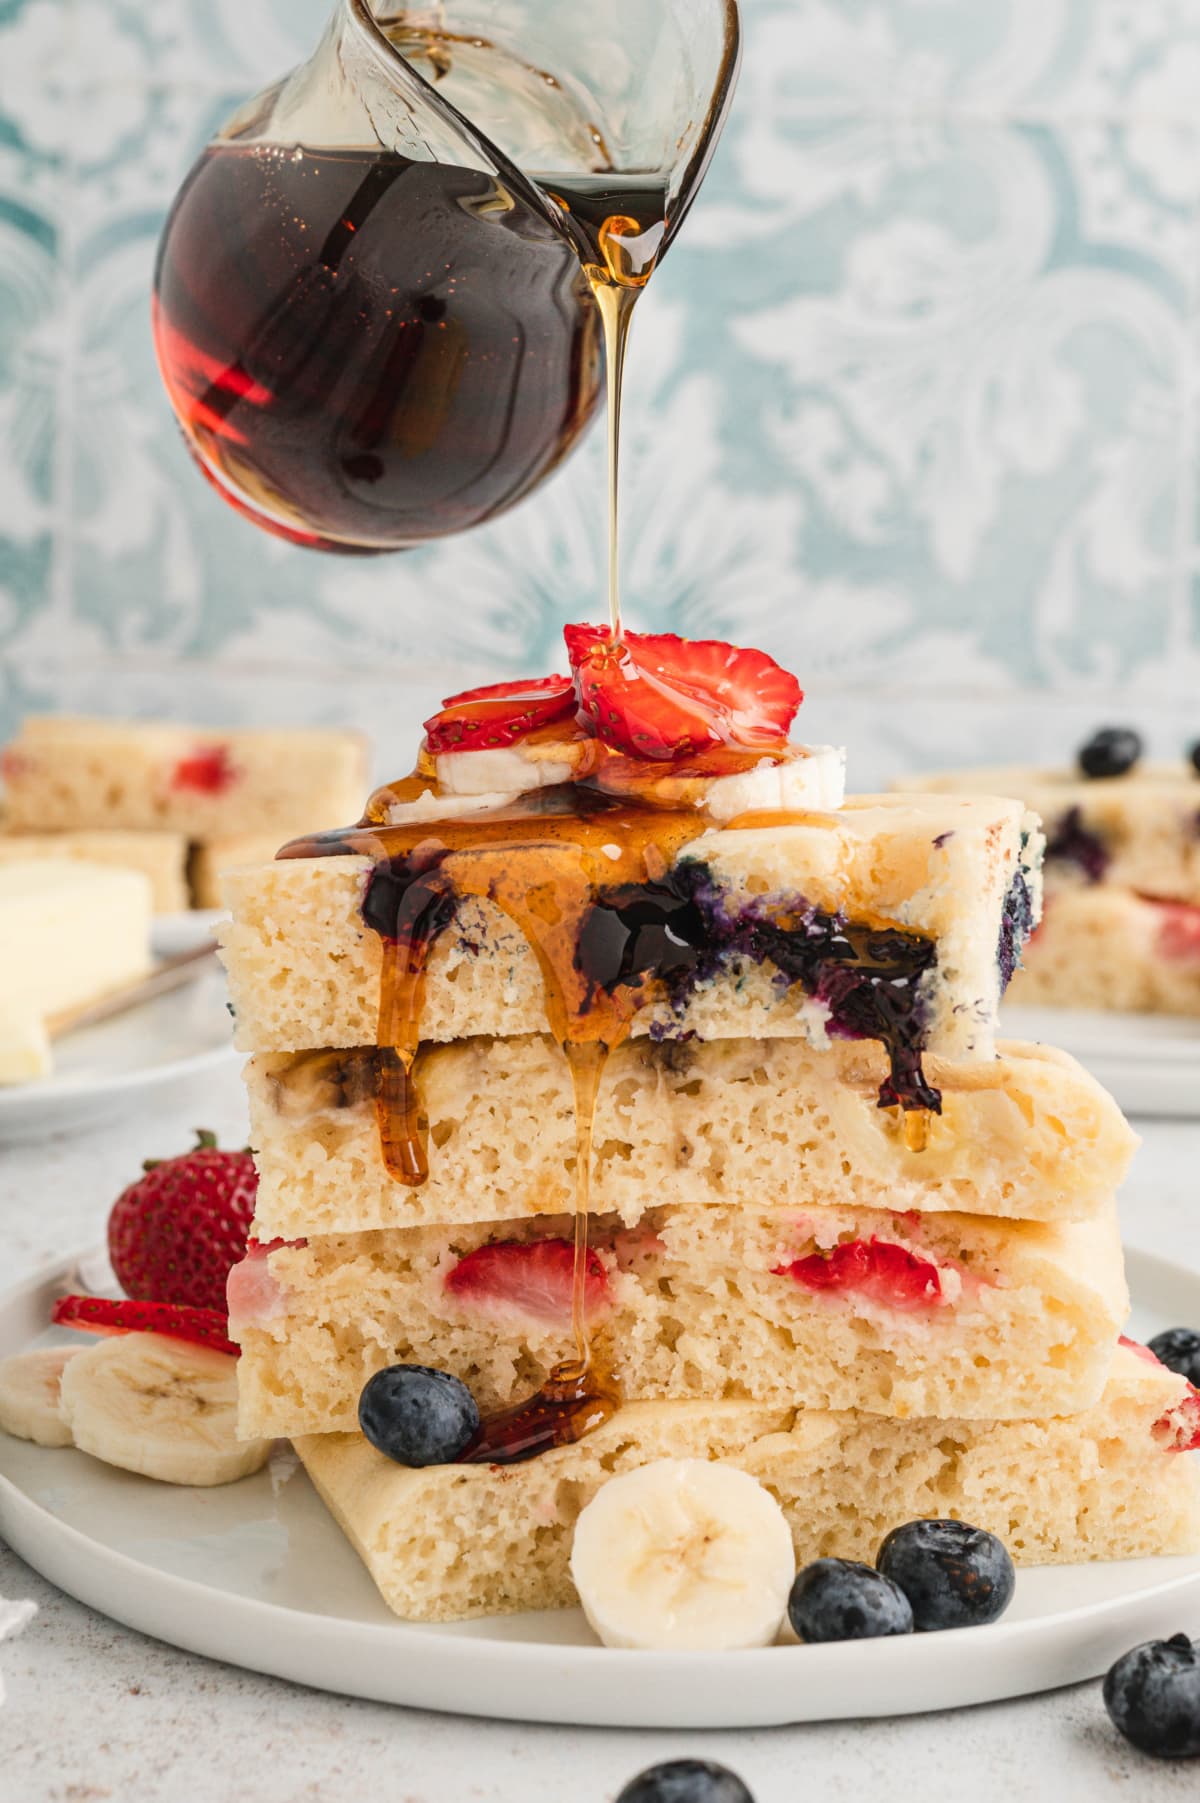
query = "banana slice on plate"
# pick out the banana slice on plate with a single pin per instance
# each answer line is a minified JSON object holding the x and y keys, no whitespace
{"x":160,"y":1407}
{"x":683,"y":1554}
{"x":30,"y":1395}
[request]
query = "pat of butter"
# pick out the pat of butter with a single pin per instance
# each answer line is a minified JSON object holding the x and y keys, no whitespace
{"x":69,"y":933}
{"x":24,"y":1048}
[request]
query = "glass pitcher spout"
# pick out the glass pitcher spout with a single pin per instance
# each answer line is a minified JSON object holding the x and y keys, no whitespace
{"x":621,"y":87}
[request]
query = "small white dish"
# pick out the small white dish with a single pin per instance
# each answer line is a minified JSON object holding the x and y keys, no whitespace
{"x":1149,"y":1062}
{"x":258,"y":1574}
{"x":102,"y":1071}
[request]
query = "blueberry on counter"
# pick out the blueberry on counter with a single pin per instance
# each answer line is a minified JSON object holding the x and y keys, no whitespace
{"x":1179,"y":1350}
{"x":954,"y":1575}
{"x":841,"y":1599}
{"x":1112,"y":752}
{"x":1153,"y":1697}
{"x":686,"y":1781}
{"x":417,"y":1416}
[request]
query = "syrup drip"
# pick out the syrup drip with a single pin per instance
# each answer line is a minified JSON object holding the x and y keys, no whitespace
{"x":915,"y":1127}
{"x":571,"y":1403}
{"x":618,"y":227}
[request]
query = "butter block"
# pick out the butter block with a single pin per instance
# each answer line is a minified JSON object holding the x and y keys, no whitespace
{"x":69,"y":933}
{"x":162,"y":857}
{"x":24,"y":1047}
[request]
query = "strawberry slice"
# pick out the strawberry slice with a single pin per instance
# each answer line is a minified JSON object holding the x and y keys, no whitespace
{"x":1136,"y":1347}
{"x":209,"y":770}
{"x":877,"y":1269}
{"x":101,"y":1314}
{"x":1179,"y":934}
{"x":533,"y":1278}
{"x":1179,"y":1429}
{"x":655,"y":695}
{"x":480,"y":719}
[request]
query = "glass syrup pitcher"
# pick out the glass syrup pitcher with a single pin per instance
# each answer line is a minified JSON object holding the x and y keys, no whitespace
{"x":383,"y":291}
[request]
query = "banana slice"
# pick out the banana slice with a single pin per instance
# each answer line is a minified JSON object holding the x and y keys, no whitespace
{"x":683,"y":1553}
{"x":452,"y":804}
{"x":816,"y":779}
{"x":30,"y":1399}
{"x":160,"y":1407}
{"x":513,"y":768}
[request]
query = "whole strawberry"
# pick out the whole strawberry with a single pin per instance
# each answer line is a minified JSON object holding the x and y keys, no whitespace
{"x":175,"y":1234}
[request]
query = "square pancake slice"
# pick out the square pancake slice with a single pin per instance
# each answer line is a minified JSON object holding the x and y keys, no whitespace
{"x":453,"y":1542}
{"x":894,"y":918}
{"x":1027,"y":1135}
{"x":943,"y":1315}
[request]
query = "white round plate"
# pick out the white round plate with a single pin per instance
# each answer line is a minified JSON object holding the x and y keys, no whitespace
{"x":258,"y":1574}
{"x":1149,"y":1062}
{"x":101,"y":1071}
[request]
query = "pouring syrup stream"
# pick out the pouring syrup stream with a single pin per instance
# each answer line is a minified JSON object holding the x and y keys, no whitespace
{"x":618,"y":225}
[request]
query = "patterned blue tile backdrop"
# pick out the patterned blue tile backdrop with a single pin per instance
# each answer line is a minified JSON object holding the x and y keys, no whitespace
{"x":914,"y":402}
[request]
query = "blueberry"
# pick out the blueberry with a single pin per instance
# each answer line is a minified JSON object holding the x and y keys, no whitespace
{"x":840,"y":1599}
{"x":954,"y":1576}
{"x":417,"y":1416}
{"x":1179,"y":1350}
{"x":1111,"y":752}
{"x":686,"y":1781}
{"x":1194,"y":754}
{"x":1153,"y":1697}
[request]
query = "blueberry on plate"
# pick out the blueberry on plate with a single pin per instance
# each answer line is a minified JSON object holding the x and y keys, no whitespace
{"x":417,"y":1416}
{"x":1112,"y":752}
{"x":686,"y":1781}
{"x":1179,"y":1350}
{"x":1153,"y":1697}
{"x":841,"y":1599}
{"x":955,"y":1576}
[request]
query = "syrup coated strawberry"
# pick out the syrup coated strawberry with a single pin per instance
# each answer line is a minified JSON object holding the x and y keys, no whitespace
{"x":175,"y":1234}
{"x":877,"y":1269}
{"x":104,"y":1315}
{"x":481,"y":719}
{"x":655,"y":695}
{"x":533,"y":1278}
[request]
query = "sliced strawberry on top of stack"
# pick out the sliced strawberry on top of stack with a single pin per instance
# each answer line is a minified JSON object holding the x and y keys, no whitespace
{"x":649,"y":695}
{"x":655,"y":695}
{"x":483,"y":719}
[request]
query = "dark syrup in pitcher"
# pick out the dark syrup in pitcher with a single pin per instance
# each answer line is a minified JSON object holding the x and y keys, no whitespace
{"x":365,"y":352}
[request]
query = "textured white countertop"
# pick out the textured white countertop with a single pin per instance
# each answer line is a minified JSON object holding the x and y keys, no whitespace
{"x":97,"y":1711}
